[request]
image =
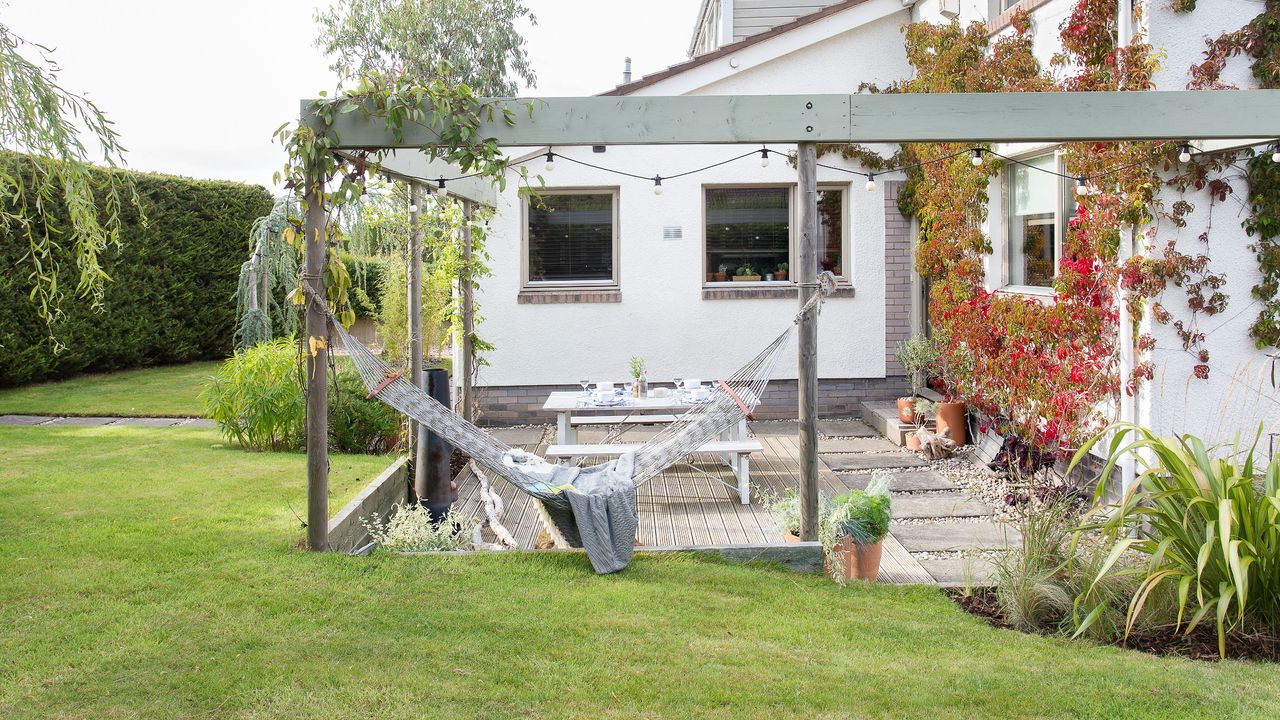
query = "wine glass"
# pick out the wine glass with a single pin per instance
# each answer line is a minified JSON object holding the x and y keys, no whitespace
{"x":677,"y":379}
{"x":586,"y":386}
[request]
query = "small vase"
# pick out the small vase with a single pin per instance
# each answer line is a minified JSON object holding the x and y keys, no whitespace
{"x":913,"y":441}
{"x":950,"y":415}
{"x":906,"y":409}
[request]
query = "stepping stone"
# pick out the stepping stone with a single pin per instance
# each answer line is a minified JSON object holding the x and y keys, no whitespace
{"x":774,"y":428}
{"x":845,"y":428}
{"x":951,"y":505}
{"x":966,"y":572}
{"x":518,"y":435}
{"x":906,"y":481}
{"x":24,"y":419}
{"x":152,"y":422}
{"x":873,"y":461}
{"x":945,"y":537}
{"x":854,"y":445}
{"x":83,"y":421}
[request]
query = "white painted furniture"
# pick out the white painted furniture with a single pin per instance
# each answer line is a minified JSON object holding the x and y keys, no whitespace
{"x":736,"y":452}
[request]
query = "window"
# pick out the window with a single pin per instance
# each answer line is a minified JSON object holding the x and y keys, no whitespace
{"x":749,"y":233}
{"x":572,"y":238}
{"x":1034,"y":201}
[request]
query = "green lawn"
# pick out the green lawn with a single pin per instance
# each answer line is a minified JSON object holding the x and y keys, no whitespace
{"x":149,"y":573}
{"x":169,"y":391}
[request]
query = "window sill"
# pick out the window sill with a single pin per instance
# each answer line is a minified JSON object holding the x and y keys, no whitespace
{"x":562,"y":296}
{"x":766,"y":291}
{"x":1044,"y":295}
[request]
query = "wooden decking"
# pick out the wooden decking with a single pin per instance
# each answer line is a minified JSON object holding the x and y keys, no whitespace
{"x":684,"y":507}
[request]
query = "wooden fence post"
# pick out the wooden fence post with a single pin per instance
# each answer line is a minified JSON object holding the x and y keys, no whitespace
{"x":808,"y":340}
{"x":316,"y":347}
{"x":417,"y":434}
{"x":466,"y":293}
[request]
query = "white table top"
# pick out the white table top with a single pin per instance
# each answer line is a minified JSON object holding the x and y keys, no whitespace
{"x":573,"y":400}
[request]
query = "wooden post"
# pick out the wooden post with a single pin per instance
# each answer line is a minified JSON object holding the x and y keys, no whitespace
{"x":416,"y":440}
{"x":466,"y":291}
{"x":314,"y":250}
{"x":807,"y":165}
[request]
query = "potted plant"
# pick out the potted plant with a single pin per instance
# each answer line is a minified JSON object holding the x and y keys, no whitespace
{"x":951,"y":412}
{"x":919,"y":420}
{"x":915,"y":355}
{"x":639,"y":382}
{"x":785,"y":511}
{"x":853,"y":530}
{"x":746,"y":273}
{"x":721,"y":275}
{"x":781,"y":272}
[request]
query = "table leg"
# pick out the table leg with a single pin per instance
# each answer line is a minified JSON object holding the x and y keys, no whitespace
{"x":564,"y":429}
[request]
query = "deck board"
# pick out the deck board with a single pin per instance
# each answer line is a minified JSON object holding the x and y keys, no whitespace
{"x":682,"y":507}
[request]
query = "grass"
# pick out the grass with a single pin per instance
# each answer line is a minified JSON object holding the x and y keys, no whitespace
{"x":148,"y":573}
{"x":168,"y":391}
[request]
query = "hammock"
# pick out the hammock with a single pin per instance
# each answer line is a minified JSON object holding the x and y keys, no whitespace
{"x":592,"y":507}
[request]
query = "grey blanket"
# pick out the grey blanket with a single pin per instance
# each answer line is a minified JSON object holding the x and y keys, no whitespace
{"x":601,"y":499}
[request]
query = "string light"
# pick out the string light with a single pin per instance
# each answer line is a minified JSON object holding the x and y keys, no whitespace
{"x":657,"y":184}
{"x":1275,"y":153}
{"x":551,"y":161}
{"x":871,"y":182}
{"x":440,"y":191}
{"x":1081,"y":187}
{"x":413,"y":208}
{"x":1185,"y":155}
{"x":977,"y":157}
{"x":764,"y":157}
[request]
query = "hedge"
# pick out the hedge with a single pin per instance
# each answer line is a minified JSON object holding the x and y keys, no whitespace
{"x":171,"y":295}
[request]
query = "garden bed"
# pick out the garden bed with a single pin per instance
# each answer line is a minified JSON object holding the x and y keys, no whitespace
{"x":1199,"y":645}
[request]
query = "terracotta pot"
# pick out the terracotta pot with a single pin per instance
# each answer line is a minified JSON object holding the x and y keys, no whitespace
{"x":951,"y":416}
{"x":792,"y":537}
{"x":906,"y":409}
{"x":780,"y":275}
{"x":860,"y":562}
{"x":913,"y":441}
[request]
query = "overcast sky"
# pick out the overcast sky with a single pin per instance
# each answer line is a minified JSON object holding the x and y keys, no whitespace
{"x":196,"y":88}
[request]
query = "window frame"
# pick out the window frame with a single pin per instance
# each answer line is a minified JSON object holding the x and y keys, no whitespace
{"x":1059,"y":219}
{"x":614,"y":282}
{"x":793,"y":214}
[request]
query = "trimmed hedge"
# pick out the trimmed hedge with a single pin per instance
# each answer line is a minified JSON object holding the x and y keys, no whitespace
{"x":171,"y":295}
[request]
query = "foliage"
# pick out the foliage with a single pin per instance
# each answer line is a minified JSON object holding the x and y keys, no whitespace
{"x":256,"y":399}
{"x":64,"y":211}
{"x":478,"y":37}
{"x":368,"y":280}
{"x":784,"y":508}
{"x":358,"y":423}
{"x":1209,"y":527}
{"x":411,"y":529}
{"x":1263,"y":224}
{"x":637,"y":366}
{"x":173,"y":279}
{"x":862,"y":515}
{"x":915,"y":354}
{"x":265,"y":279}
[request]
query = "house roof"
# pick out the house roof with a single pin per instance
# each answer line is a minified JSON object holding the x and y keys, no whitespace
{"x":725,"y":50}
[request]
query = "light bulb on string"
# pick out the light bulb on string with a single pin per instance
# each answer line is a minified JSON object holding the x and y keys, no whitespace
{"x":871,"y":182}
{"x":1275,"y":153}
{"x":1185,"y":155}
{"x":413,"y":208}
{"x":764,"y":157}
{"x":657,"y":184}
{"x":440,"y":191}
{"x":977,"y":157}
{"x":551,"y":161}
{"x":1081,"y":187}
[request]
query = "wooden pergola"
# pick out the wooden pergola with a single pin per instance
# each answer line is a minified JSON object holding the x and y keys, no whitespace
{"x":804,"y":120}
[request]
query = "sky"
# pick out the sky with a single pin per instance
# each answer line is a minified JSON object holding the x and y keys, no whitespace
{"x":197,"y":88}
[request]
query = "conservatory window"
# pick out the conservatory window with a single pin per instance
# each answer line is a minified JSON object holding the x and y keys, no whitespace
{"x":1034,"y":202}
{"x":571,"y":238}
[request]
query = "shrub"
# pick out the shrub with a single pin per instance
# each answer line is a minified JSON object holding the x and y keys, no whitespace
{"x":358,"y":424}
{"x":915,"y":355}
{"x":368,"y":277}
{"x":173,"y":281}
{"x":410,"y":529}
{"x":1209,"y":528}
{"x":256,"y":397}
{"x":862,"y":515}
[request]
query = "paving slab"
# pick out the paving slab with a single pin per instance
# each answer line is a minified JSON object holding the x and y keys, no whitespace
{"x":966,"y":572}
{"x":905,"y":481}
{"x":83,"y":421}
{"x":873,"y":461}
{"x":949,"y":505}
{"x":774,"y":428}
{"x":854,"y":445}
{"x":24,"y":419}
{"x":845,"y":428}
{"x":944,"y":537}
{"x":518,"y":435}
{"x":151,"y":422}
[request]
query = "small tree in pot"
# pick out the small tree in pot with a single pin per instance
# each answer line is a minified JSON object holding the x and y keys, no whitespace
{"x":915,"y":356}
{"x":853,"y":530}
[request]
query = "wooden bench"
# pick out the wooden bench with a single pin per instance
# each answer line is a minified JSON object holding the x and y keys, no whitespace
{"x":737,"y":454}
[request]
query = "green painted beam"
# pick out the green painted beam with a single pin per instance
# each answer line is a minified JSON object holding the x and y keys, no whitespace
{"x":1007,"y":117}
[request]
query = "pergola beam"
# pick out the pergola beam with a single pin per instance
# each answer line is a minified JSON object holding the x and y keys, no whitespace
{"x":967,"y":117}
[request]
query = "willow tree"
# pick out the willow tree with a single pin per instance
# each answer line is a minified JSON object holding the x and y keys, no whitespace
{"x":68,"y":203}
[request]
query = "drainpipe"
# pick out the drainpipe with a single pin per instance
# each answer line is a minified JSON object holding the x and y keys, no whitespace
{"x":1128,"y":356}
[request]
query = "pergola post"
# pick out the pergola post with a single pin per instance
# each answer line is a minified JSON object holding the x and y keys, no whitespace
{"x":417,"y":433}
{"x":315,"y":233}
{"x":807,"y":165}
{"x":466,"y":293}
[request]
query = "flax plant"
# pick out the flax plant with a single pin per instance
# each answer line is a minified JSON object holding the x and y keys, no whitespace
{"x":1209,"y":527}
